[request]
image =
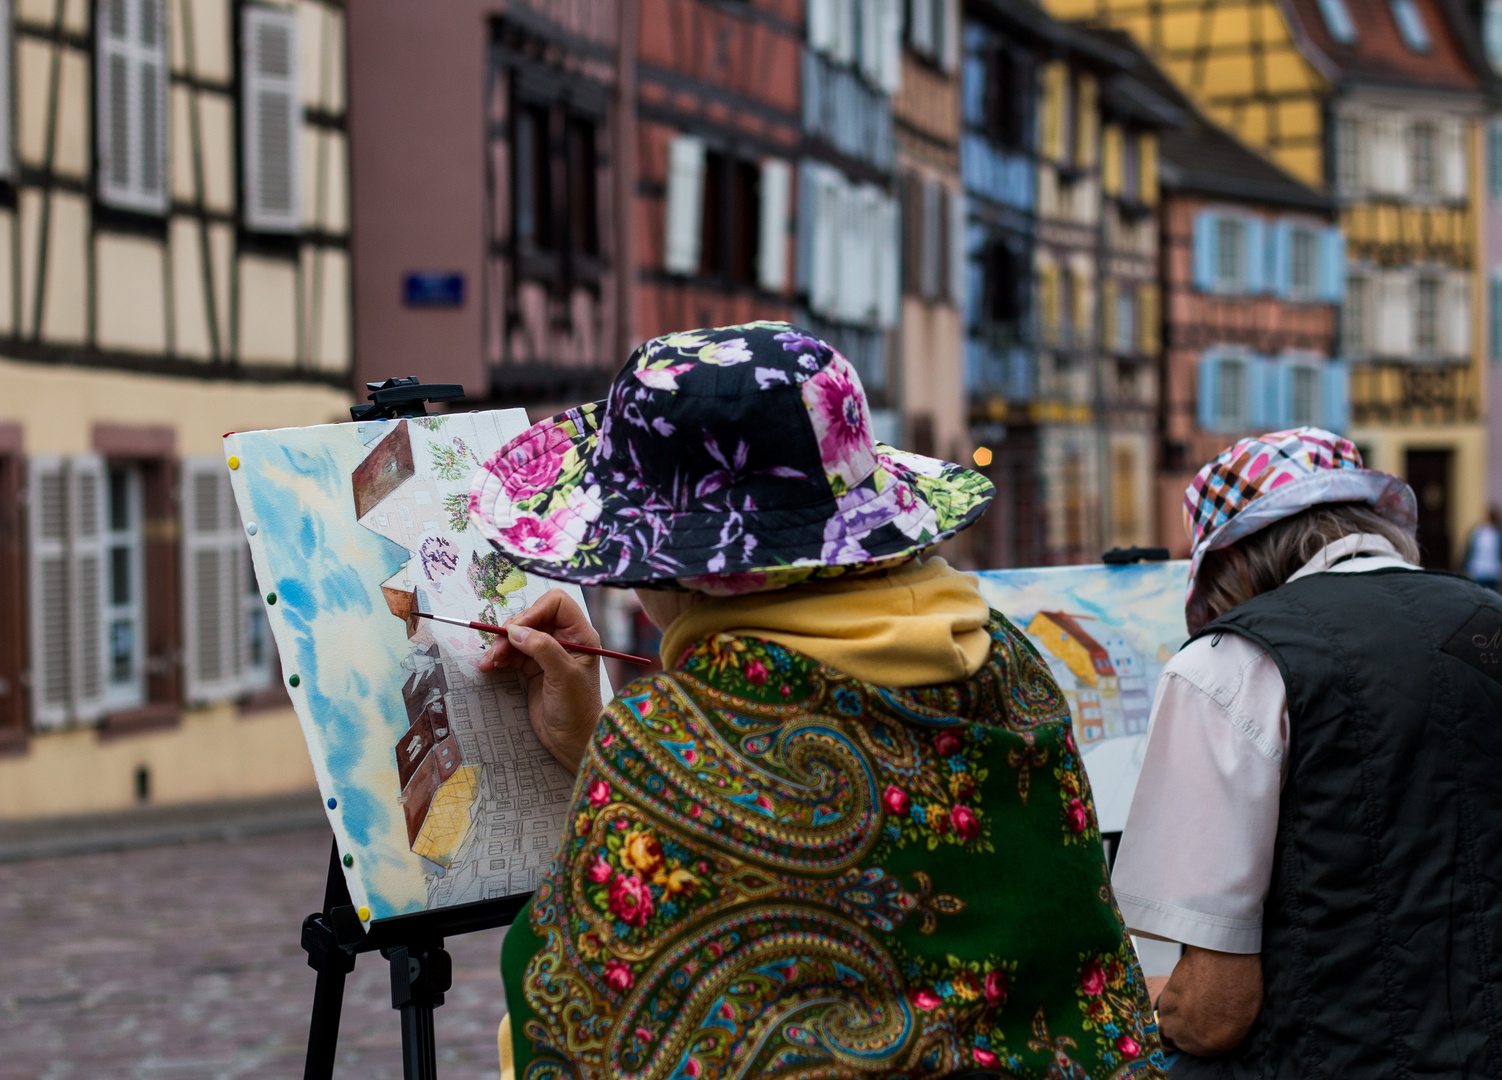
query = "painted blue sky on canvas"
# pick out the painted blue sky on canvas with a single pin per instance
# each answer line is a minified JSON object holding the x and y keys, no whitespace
{"x":336,"y":634}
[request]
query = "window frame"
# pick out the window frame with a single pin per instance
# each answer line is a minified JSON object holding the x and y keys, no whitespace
{"x":1423,"y":150}
{"x":129,"y":539}
{"x":1232,"y":255}
{"x":1428,"y":286}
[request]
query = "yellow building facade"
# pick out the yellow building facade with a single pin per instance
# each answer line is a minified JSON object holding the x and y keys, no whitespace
{"x":1382,"y":108}
{"x":174,"y":218}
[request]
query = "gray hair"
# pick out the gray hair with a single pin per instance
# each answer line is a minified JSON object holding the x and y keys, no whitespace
{"x":1259,"y":563}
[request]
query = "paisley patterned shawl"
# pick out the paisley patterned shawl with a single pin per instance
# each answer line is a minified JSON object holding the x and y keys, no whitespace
{"x":777,"y":870}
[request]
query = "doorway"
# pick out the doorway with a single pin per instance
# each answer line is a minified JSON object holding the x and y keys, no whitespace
{"x":1428,"y":473}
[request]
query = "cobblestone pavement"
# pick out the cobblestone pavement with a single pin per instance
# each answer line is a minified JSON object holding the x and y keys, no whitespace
{"x":182,"y":963}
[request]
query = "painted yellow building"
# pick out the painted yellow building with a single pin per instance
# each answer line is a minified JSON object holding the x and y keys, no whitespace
{"x":1381,"y":105}
{"x":174,"y":212}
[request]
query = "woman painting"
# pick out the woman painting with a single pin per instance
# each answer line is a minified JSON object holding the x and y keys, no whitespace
{"x":846,"y":833}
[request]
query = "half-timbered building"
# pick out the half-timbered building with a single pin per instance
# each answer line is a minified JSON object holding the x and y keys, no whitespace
{"x":174,"y":209}
{"x":1377,"y":102}
{"x":1252,"y":278}
{"x":174,"y":213}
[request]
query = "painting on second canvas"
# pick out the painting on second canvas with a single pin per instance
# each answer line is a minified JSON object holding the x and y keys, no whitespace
{"x":436,"y":788}
{"x":1105,"y":632}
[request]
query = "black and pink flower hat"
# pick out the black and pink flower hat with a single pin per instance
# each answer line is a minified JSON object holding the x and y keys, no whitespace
{"x":728,"y":460}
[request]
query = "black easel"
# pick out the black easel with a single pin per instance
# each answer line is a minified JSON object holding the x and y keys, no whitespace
{"x":421,"y":970}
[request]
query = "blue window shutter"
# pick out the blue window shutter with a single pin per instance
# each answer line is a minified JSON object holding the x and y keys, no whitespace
{"x":1494,"y":160}
{"x":1209,"y":390}
{"x":1332,"y":265}
{"x":1204,"y":251}
{"x":1256,"y":256}
{"x":1280,"y":258}
{"x":1337,"y":396}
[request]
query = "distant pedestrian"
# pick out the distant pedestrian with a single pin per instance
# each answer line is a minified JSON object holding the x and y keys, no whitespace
{"x":1483,"y":556}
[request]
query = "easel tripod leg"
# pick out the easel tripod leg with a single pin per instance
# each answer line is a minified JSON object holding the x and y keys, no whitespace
{"x":332,"y":964}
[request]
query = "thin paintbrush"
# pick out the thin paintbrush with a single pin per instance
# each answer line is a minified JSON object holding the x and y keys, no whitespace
{"x":489,"y":629}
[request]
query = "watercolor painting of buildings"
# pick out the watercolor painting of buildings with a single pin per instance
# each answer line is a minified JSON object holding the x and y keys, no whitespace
{"x":1105,"y":633}
{"x":436,"y":788}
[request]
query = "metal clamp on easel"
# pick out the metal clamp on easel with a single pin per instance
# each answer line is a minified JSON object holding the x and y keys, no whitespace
{"x":396,"y":398}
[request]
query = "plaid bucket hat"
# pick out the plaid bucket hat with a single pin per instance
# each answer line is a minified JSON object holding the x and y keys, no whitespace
{"x":727,"y":460}
{"x":1267,"y":478}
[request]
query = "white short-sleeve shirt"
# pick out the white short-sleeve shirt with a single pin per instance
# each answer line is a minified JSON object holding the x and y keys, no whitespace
{"x":1196,"y":855}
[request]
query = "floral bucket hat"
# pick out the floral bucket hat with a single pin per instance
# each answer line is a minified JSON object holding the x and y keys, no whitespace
{"x":1267,"y":478}
{"x":726,"y":461}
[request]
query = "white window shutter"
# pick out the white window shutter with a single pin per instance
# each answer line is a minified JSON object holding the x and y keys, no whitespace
{"x":1395,"y":330}
{"x":920,"y":25}
{"x":889,"y":263}
{"x":956,"y":250}
{"x":1394,"y":166}
{"x":87,"y":533}
{"x":854,"y":269}
{"x":51,"y":618}
{"x":685,"y":204}
{"x":950,"y":28}
{"x":844,"y":47}
{"x":7,"y":107}
{"x":828,"y":227}
{"x":821,"y":24}
{"x":889,"y":31}
{"x":1452,"y":159}
{"x":213,"y":569}
{"x":771,"y":253}
{"x":131,"y":103}
{"x":270,"y":119}
{"x":1457,"y":316}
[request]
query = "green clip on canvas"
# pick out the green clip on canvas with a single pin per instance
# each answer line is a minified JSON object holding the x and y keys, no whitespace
{"x":1105,"y":632}
{"x":437,"y":790}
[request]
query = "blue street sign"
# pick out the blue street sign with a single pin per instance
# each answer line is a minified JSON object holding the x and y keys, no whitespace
{"x":432,"y":288}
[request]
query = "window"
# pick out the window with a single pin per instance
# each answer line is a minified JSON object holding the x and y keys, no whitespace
{"x":1064,"y":311}
{"x":533,"y":203}
{"x":1491,"y":32}
{"x":271,"y":118}
{"x":131,"y":101}
{"x":580,"y":179}
{"x":729,"y":219}
{"x":1303,"y":275}
{"x":1348,"y":155}
{"x":1411,"y":25}
{"x":555,"y":207}
{"x":1494,"y":160}
{"x":124,"y":608}
{"x":1233,"y":400}
{"x":227,"y":648}
{"x":848,"y":261}
{"x":1338,"y":21}
{"x":1303,"y":395}
{"x":1126,"y":320}
{"x":1231,"y":254}
{"x":1353,"y":322}
{"x":1494,"y":316}
{"x":1131,"y":168}
{"x":1008,"y":97}
{"x":1426,"y":316}
{"x":928,"y":31}
{"x":1423,"y":167}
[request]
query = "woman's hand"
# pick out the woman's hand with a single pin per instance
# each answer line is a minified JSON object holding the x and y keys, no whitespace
{"x":563,"y":688}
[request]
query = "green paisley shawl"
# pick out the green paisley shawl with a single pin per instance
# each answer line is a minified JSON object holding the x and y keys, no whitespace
{"x":774,"y":869}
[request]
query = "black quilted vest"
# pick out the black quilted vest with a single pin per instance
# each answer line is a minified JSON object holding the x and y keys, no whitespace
{"x":1382,"y":932}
